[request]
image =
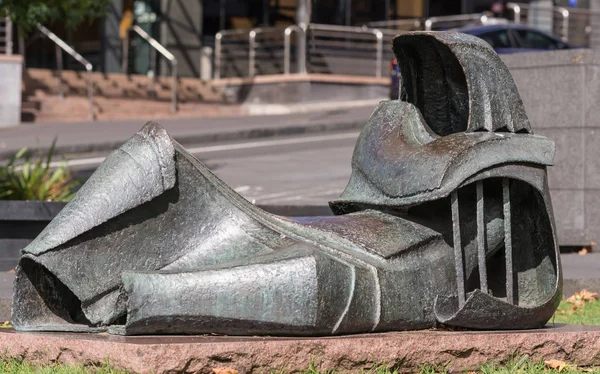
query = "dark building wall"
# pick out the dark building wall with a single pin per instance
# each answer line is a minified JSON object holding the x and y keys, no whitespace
{"x":181,"y":29}
{"x":111,"y":44}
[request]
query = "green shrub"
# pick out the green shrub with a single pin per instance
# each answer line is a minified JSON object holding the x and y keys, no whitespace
{"x":25,"y":177}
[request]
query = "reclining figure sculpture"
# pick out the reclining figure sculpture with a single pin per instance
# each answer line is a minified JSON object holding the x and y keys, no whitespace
{"x":446,"y":219}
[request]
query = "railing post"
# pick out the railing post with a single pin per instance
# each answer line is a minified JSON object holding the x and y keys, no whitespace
{"x":379,"y":53}
{"x":286,"y":50}
{"x":218,"y":38}
{"x":428,"y":24}
{"x":60,"y":44}
{"x":251,"y":52}
{"x":174,"y":87}
{"x":90,"y":89}
{"x":125,"y":54}
{"x":516,"y":11}
{"x":9,"y":36}
{"x":301,"y":54}
{"x":59,"y":68}
{"x":564,"y":12}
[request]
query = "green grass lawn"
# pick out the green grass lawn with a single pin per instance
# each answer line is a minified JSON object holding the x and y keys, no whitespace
{"x":587,"y":314}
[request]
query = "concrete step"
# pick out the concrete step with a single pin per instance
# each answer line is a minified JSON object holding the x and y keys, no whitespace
{"x":119,"y":86}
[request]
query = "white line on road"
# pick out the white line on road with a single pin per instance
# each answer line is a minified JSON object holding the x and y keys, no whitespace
{"x":227,"y":147}
{"x":269,"y":143}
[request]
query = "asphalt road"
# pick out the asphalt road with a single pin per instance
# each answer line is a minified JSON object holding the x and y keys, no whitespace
{"x":300,"y":170}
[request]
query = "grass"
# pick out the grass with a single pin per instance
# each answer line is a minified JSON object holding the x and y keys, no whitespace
{"x":16,"y":366}
{"x":578,"y":313}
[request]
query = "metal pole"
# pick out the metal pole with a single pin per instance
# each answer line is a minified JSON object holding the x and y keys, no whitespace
{"x":564,"y":32}
{"x":265,"y":20}
{"x":301,"y":55}
{"x":379,"y":53}
{"x":218,"y":38}
{"x":517,"y":13}
{"x":303,"y":20}
{"x":125,"y":46}
{"x":9,"y":36}
{"x":153,"y":69}
{"x":222,"y":23}
{"x":174,"y":87}
{"x":286,"y":50}
{"x":251,"y":53}
{"x":428,"y":24}
{"x":153,"y":61}
{"x":90,"y":89}
{"x":59,"y":67}
{"x":348,"y":12}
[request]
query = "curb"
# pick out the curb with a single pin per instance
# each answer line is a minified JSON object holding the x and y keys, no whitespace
{"x":188,"y":139}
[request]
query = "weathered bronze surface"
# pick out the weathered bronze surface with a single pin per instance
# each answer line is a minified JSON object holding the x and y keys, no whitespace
{"x":446,"y":219}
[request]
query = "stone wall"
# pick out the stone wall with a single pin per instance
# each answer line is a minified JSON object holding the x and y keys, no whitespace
{"x":561,"y":92}
{"x":10,"y":90}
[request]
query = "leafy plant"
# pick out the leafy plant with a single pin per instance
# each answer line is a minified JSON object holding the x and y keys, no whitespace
{"x":27,"y":13}
{"x":27,"y":178}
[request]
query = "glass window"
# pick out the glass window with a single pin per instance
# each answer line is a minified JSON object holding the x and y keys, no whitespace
{"x":535,"y":40}
{"x":497,"y":39}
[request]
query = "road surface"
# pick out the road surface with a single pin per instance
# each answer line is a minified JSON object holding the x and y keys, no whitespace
{"x":299,"y":170}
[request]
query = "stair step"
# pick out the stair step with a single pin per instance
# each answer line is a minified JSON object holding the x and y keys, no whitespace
{"x":119,"y":85}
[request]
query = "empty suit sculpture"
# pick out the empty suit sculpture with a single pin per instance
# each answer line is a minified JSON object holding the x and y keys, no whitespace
{"x":446,"y":219}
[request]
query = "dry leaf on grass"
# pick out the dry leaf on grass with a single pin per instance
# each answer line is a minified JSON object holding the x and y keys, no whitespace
{"x":588,"y":296}
{"x":224,"y":371}
{"x":582,"y":297}
{"x":556,"y":364}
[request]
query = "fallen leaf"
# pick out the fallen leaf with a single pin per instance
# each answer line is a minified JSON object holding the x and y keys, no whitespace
{"x":587,"y":295}
{"x":556,"y":364}
{"x":583,"y":251}
{"x":577,"y":58}
{"x":224,"y":371}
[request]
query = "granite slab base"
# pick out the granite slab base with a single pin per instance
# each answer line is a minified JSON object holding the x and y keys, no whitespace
{"x":405,"y":351}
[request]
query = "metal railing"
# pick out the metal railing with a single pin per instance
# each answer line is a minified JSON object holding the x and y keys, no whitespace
{"x":344,"y":49}
{"x":431,"y":23}
{"x":449,"y":22}
{"x":160,"y":49}
{"x":287,"y":50}
{"x":265,"y":51}
{"x":6,"y":36}
{"x":553,"y":18}
{"x":63,"y":46}
{"x":240,"y":40}
{"x":269,"y":50}
{"x":413,"y":24}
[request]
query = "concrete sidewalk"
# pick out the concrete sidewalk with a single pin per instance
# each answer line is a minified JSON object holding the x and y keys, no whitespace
{"x":76,"y":137}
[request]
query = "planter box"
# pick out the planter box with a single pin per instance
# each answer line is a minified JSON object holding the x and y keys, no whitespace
{"x":20,"y":223}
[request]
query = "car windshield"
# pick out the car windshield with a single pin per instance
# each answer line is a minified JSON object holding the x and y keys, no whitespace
{"x":535,"y":40}
{"x":497,"y":39}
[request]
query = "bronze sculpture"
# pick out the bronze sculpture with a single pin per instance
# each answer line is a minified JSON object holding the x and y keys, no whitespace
{"x":446,"y":219}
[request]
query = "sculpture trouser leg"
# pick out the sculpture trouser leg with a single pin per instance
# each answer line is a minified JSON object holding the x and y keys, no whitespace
{"x":294,"y":292}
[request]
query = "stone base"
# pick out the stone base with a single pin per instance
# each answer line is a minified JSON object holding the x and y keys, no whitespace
{"x":406,"y":351}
